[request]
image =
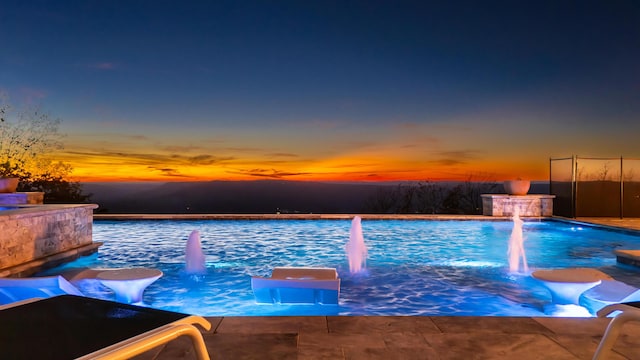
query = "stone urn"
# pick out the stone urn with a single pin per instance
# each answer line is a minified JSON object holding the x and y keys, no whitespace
{"x":517,"y":187}
{"x":8,"y":184}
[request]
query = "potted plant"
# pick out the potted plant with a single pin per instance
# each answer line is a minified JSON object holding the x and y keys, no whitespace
{"x":8,"y":178}
{"x":517,"y":187}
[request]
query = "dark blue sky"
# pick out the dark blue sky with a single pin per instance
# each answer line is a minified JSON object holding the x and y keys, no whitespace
{"x":324,"y":90}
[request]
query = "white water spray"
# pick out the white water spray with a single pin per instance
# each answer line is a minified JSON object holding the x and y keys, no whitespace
{"x":194,"y":258}
{"x":516,"y":245}
{"x":356,"y":249}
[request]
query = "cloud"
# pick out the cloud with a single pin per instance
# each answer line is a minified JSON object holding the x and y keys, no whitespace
{"x":351,"y":165}
{"x":243,"y":149}
{"x":169,"y":172}
{"x":283,"y":155}
{"x":168,"y":164}
{"x":448,"y":162}
{"x":102,"y":66}
{"x":205,"y":159}
{"x":180,"y":148}
{"x":455,"y":157}
{"x":267,"y":173}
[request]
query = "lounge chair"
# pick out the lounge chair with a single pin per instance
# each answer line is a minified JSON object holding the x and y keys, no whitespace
{"x":608,"y":292}
{"x":566,"y":285}
{"x":298,"y":285}
{"x":627,"y":312}
{"x":17,"y":289}
{"x":76,"y":327}
{"x":128,"y":284}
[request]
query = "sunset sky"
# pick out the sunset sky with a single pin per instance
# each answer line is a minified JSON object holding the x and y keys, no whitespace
{"x":327,"y":90}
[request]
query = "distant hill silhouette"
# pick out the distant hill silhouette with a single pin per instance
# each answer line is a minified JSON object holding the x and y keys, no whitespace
{"x":240,"y":197}
{"x":234,"y":197}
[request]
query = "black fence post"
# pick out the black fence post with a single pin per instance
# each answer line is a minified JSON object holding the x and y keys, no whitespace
{"x":621,"y":189}
{"x":574,"y":185}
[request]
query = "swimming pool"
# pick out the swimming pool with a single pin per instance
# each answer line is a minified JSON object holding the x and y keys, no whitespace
{"x":414,"y":267}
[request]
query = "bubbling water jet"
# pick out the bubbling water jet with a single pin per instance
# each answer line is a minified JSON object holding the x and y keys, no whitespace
{"x":356,"y":248}
{"x":194,"y":258}
{"x":516,"y":245}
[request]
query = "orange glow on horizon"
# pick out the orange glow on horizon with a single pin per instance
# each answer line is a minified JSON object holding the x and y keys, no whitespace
{"x":114,"y":172}
{"x":107,"y":160}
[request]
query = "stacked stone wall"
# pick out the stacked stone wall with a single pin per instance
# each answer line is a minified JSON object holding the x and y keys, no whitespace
{"x":41,"y":234}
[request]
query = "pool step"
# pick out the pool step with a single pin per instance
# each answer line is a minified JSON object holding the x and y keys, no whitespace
{"x":629,"y":257}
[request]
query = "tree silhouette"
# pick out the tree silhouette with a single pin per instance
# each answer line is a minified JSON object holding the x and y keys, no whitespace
{"x":28,"y":141}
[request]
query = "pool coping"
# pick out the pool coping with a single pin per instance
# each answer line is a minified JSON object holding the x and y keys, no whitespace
{"x":630,"y":225}
{"x":300,"y":217}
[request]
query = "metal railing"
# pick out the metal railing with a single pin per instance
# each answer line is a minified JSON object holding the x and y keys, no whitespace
{"x":597,"y":187}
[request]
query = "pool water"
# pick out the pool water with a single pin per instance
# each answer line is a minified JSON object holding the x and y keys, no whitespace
{"x":414,"y":267}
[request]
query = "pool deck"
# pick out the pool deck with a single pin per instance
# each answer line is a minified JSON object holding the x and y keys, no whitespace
{"x":399,"y":337}
{"x":409,"y":337}
{"x":624,"y":223}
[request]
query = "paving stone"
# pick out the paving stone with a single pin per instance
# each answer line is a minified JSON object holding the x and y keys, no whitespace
{"x":215,"y":321}
{"x":380,"y":324}
{"x":493,"y":345}
{"x":628,"y":343}
{"x":465,"y":324}
{"x":273,"y":324}
{"x":584,"y":346}
{"x":403,"y":338}
{"x":253,"y":346}
{"x":581,"y":326}
{"x":320,"y":353}
{"x":390,"y":354}
{"x":581,"y":336}
{"x":319,"y":340}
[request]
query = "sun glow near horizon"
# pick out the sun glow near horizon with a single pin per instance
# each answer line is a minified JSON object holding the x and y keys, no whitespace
{"x":477,"y":146}
{"x":379,"y":153}
{"x":94,"y":166}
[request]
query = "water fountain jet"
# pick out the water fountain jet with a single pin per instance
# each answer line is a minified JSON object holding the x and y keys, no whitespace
{"x":194,"y":257}
{"x":356,"y":248}
{"x":516,"y":245}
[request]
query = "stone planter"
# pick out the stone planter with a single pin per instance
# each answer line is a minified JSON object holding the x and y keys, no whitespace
{"x":517,"y":187}
{"x":8,"y":184}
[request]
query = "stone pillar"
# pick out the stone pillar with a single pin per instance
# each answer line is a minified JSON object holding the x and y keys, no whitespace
{"x":529,"y":205}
